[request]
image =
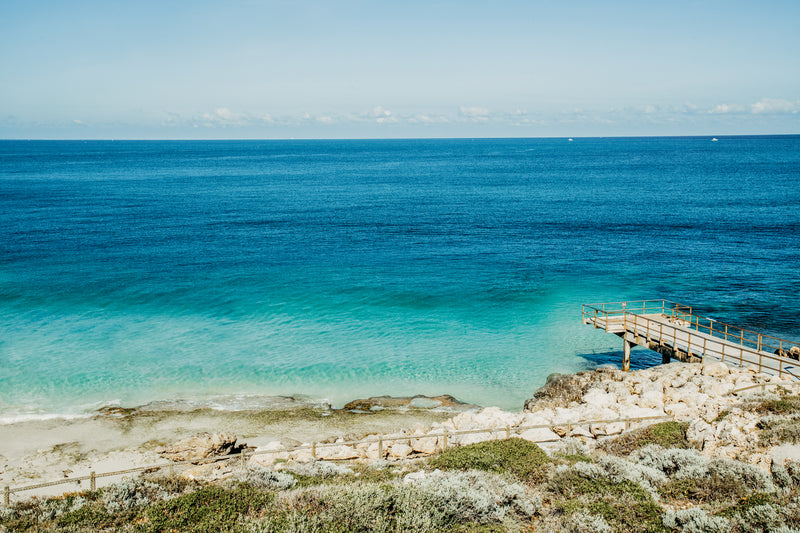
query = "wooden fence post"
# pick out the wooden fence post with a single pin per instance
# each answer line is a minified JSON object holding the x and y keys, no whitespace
{"x":92,"y":481}
{"x":7,"y":496}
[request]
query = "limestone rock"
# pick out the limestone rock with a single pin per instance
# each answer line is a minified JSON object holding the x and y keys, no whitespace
{"x":427,"y":445}
{"x":201,"y":446}
{"x":539,"y":435}
{"x":494,"y":417}
{"x":269,"y":453}
{"x":378,"y":403}
{"x":652,"y":399}
{"x":679,"y":411}
{"x":614,"y":428}
{"x":471,"y":438}
{"x":581,"y":431}
{"x":534,"y":419}
{"x":400,"y":450}
{"x":336,"y":453}
{"x":599,"y":399}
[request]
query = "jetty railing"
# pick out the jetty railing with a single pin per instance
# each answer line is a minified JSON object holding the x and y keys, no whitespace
{"x":720,"y":340}
{"x":382,"y":440}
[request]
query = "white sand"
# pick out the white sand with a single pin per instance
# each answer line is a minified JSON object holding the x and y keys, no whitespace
{"x":37,"y":451}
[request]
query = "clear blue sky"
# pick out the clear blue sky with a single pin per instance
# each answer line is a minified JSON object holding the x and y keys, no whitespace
{"x":331,"y":69}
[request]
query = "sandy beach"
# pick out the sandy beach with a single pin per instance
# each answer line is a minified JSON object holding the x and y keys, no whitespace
{"x":37,"y":451}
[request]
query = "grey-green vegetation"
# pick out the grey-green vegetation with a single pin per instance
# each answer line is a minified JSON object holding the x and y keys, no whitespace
{"x":647,"y":480}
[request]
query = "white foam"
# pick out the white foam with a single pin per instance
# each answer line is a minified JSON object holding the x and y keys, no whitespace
{"x":33,"y":417}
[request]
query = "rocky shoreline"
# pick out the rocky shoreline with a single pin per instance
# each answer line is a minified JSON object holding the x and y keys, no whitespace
{"x":704,"y":396}
{"x":720,"y":425}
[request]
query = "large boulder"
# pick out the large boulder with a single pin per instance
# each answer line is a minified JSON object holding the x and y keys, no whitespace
{"x":717,"y":370}
{"x":600,"y":399}
{"x":200,"y":447}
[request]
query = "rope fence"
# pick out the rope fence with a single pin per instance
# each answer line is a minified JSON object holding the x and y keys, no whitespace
{"x":381,"y":440}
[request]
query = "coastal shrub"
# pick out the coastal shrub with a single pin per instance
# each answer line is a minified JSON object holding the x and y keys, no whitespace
{"x":780,"y":476}
{"x":131,"y":494}
{"x":723,"y":481}
{"x":35,"y":513}
{"x":209,"y":509}
{"x":267,"y":479}
{"x":695,"y":520}
{"x":88,"y":517}
{"x":624,"y":505}
{"x":514,"y":456}
{"x":619,"y":470}
{"x":475,"y":496}
{"x":671,"y":460}
{"x":666,"y":434}
{"x":455,"y":501}
{"x":581,"y":522}
{"x":776,"y":431}
{"x":571,"y":450}
{"x":786,"y":404}
{"x":174,"y":484}
{"x":757,"y":518}
{"x":694,"y":477}
{"x":793,"y":469}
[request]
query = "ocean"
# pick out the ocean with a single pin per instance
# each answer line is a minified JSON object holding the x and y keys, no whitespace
{"x":230,"y":272}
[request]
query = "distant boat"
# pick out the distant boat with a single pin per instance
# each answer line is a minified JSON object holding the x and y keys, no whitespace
{"x":714,"y":139}
{"x":569,"y":139}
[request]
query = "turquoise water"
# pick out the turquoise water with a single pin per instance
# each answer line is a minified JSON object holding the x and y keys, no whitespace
{"x":141,"y":271}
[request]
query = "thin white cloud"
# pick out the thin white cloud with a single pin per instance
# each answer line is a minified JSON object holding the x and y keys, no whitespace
{"x":475,"y":114}
{"x":724,"y":109}
{"x":775,"y":106}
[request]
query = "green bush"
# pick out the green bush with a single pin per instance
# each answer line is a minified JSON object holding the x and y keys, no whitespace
{"x":210,"y":509}
{"x":87,"y":516}
{"x":783,"y":406}
{"x":747,"y":502}
{"x":665,"y":434}
{"x":624,"y":505}
{"x":517,"y":457}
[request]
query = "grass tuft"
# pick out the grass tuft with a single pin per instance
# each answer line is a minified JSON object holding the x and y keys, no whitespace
{"x":665,"y":434}
{"x":518,"y":457}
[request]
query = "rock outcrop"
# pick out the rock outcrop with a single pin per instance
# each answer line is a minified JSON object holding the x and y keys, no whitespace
{"x":200,"y":447}
{"x":589,"y":406}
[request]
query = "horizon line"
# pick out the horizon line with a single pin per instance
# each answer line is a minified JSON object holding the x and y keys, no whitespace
{"x":218,"y":139}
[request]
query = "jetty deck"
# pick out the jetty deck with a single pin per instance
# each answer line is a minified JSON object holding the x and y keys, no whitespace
{"x":673,"y":330}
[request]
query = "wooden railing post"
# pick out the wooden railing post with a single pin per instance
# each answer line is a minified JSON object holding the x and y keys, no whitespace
{"x":7,"y":496}
{"x":92,"y":481}
{"x":444,"y":440}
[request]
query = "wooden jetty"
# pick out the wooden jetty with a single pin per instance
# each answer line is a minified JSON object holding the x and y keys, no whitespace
{"x":673,"y":330}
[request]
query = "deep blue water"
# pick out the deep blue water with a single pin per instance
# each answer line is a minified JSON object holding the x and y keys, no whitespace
{"x":135,"y":271}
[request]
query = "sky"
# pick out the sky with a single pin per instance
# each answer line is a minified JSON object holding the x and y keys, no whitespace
{"x":274,"y":69}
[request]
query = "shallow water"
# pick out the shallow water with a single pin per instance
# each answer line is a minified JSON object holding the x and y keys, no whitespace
{"x":141,"y":271}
